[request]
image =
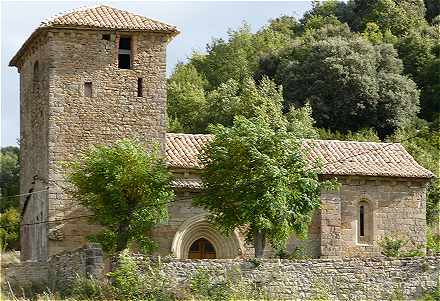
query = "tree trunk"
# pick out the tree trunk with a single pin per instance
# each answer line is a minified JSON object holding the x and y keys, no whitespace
{"x":259,"y":243}
{"x":122,"y":241}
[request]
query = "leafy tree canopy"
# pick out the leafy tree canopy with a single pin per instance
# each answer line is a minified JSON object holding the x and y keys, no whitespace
{"x":237,"y":58}
{"x":186,"y":100}
{"x":423,"y":143}
{"x":9,"y":177}
{"x":256,"y":177}
{"x":9,"y":229}
{"x":126,"y":188}
{"x":349,"y":83}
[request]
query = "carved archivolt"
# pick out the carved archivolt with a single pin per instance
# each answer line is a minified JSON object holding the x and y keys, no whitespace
{"x":198,"y":227}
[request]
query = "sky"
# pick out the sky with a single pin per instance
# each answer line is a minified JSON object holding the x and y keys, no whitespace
{"x":199,"y":22}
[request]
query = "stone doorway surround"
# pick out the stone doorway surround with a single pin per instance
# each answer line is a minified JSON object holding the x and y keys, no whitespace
{"x":198,"y":227}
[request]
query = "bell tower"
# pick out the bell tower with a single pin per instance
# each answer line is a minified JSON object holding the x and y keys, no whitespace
{"x":91,"y":76}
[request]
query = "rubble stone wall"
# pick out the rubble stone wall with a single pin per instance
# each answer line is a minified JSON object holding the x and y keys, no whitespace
{"x":329,"y":279}
{"x":56,"y":273}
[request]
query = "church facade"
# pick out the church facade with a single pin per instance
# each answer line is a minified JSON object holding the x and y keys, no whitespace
{"x":98,"y":74}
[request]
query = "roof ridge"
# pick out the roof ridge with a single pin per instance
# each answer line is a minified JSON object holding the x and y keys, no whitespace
{"x":352,"y":141}
{"x":47,"y":20}
{"x":187,"y":134}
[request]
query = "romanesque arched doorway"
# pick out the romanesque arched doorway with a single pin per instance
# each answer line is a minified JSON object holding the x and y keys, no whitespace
{"x":202,"y":249}
{"x":196,"y":237}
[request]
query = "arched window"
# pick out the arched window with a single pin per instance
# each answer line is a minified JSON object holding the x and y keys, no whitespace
{"x":201,"y":249}
{"x":364,"y":222}
{"x":36,"y":79}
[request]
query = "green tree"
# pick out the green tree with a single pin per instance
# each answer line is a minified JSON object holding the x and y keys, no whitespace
{"x":423,"y":143}
{"x":420,"y":53}
{"x":432,"y":9}
{"x":186,"y":103}
{"x":126,"y":188}
{"x":247,"y":99}
{"x":349,"y":83}
{"x":256,"y":178}
{"x":237,"y":57}
{"x":399,"y":16}
{"x":9,"y":229}
{"x":9,"y":177}
{"x":361,"y":135}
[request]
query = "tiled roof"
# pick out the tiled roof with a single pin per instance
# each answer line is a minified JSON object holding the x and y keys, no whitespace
{"x":98,"y":17}
{"x":364,"y":158}
{"x":192,"y":183}
{"x":182,"y":149}
{"x":106,"y":17}
{"x":336,"y":157}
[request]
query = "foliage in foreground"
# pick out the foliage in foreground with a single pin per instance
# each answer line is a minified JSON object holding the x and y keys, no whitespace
{"x":126,"y":187}
{"x":256,"y":177}
{"x":9,"y":229}
{"x":9,"y":203}
{"x":394,"y":247}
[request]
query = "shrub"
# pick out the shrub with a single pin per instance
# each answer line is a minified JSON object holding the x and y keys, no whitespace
{"x":299,"y":253}
{"x":135,"y":280}
{"x":230,"y":287}
{"x":433,"y":295}
{"x":89,"y":288}
{"x":391,"y":247}
{"x":433,"y":243}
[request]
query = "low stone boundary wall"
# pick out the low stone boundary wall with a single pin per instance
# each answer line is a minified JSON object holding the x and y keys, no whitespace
{"x":58,"y":272}
{"x":24,"y":274}
{"x":66,"y":266}
{"x":334,"y":279}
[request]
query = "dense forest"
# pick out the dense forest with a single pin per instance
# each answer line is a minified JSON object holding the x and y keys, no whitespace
{"x":366,"y":70}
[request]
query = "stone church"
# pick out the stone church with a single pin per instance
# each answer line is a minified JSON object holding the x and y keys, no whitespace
{"x":95,"y":75}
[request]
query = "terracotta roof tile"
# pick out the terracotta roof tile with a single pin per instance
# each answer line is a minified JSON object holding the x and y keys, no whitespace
{"x":182,"y":149}
{"x":336,"y":157}
{"x":192,"y":184}
{"x":106,"y":17}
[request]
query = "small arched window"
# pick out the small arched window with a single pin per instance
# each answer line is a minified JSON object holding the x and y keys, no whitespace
{"x":36,"y":79}
{"x":364,"y":222}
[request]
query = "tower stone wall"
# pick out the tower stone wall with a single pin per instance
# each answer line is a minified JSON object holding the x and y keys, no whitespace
{"x":60,"y":119}
{"x":114,"y":110}
{"x":34,"y":140}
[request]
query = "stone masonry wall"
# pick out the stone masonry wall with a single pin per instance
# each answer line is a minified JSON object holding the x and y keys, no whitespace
{"x":333,"y":279}
{"x":396,"y":209}
{"x":66,"y":266}
{"x":58,"y":272}
{"x":113,"y":112}
{"x":24,"y":274}
{"x":34,"y":119}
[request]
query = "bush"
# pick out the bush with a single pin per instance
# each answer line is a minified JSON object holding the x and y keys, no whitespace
{"x":89,"y":288}
{"x":9,"y":229}
{"x":230,"y":287}
{"x":134,"y":280}
{"x":392,"y":247}
{"x":433,"y":295}
{"x":299,"y":253}
{"x":433,"y":243}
